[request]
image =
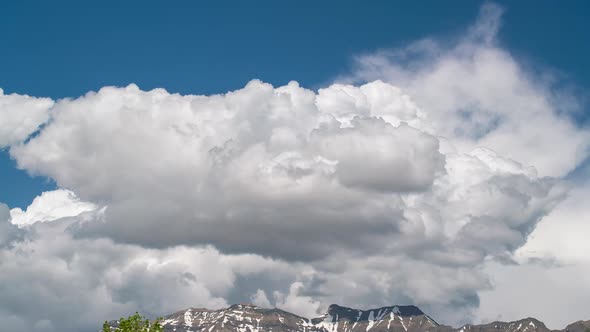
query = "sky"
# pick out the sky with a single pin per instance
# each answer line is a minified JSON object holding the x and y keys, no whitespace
{"x":69,"y":49}
{"x":293,"y":155}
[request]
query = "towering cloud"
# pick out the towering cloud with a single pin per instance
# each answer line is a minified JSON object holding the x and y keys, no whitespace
{"x":477,"y":94}
{"x":222,"y":170}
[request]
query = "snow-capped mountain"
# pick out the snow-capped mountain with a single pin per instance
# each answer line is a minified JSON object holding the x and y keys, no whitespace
{"x":250,"y":318}
{"x":238,"y":317}
{"x":394,"y":318}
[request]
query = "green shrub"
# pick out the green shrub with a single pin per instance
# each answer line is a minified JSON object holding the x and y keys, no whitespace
{"x":134,"y":323}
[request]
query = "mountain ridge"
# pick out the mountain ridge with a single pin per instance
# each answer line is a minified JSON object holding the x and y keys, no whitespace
{"x":396,"y":318}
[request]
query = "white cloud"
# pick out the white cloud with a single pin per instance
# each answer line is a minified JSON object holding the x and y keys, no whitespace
{"x":313,"y":176}
{"x":315,"y":183}
{"x":69,"y":284}
{"x":373,"y":184}
{"x":260,"y":299}
{"x":562,"y":235}
{"x":478,"y":94}
{"x":50,"y":205}
{"x":294,"y":301}
{"x":20,"y":116}
{"x":394,"y":160}
{"x":222,"y":167}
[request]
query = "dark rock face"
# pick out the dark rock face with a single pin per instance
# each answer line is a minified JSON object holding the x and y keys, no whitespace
{"x":250,"y":318}
{"x":394,"y":318}
{"x":579,"y":326}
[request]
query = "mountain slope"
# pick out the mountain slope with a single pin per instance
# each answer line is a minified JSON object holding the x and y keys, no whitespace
{"x":239,"y":317}
{"x":523,"y":325}
{"x":579,"y":326}
{"x":250,"y":318}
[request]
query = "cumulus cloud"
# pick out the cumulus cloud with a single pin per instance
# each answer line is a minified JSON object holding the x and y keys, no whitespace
{"x":20,"y":116}
{"x":287,"y":196}
{"x":260,"y":299}
{"x":62,"y":283}
{"x":223,"y":168}
{"x":315,"y":178}
{"x":50,"y":205}
{"x":294,"y":301}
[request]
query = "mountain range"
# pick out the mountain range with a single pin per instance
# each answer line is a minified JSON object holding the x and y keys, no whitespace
{"x":397,"y":318}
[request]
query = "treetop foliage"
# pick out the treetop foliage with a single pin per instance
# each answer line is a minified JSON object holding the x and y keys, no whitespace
{"x":134,"y":323}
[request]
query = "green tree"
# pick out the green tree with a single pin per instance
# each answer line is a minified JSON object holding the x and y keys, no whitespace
{"x":134,"y":323}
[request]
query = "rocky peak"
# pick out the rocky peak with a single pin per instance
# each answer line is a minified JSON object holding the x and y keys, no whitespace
{"x":524,"y":325}
{"x":392,"y":318}
{"x":401,"y":310}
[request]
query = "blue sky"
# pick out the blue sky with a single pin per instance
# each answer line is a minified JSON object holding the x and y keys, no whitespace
{"x":214,"y":47}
